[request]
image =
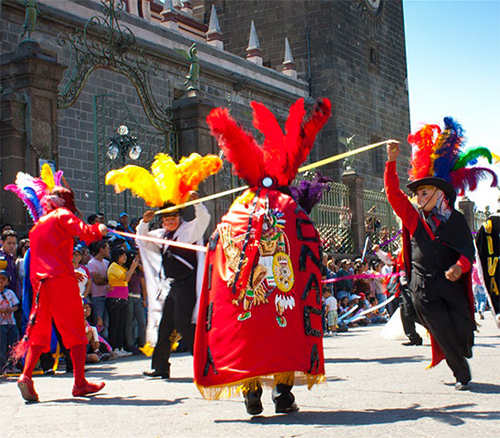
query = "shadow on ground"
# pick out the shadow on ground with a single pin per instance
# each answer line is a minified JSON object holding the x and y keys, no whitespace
{"x":481,"y":388}
{"x":101,"y":399}
{"x":453,"y":415}
{"x":381,"y":360}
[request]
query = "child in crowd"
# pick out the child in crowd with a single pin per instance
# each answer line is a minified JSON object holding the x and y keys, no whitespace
{"x":378,"y":316}
{"x":330,"y":311}
{"x":8,"y":305}
{"x":98,"y":348}
{"x":479,"y":292}
{"x":82,"y":273}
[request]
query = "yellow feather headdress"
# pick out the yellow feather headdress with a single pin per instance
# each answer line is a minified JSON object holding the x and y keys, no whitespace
{"x":167,"y":182}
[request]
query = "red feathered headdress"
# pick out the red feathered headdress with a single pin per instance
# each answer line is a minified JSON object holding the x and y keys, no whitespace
{"x":276,"y":162}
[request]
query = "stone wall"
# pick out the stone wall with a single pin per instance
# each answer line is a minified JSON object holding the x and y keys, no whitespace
{"x":225,"y":80}
{"x":345,"y":53}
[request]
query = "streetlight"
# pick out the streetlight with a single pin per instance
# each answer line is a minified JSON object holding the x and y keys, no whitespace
{"x":122,"y":145}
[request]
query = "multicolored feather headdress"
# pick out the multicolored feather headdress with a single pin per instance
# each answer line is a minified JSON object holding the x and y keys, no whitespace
{"x":168,"y":182}
{"x":438,"y":159}
{"x":276,"y":162}
{"x":38,"y":194}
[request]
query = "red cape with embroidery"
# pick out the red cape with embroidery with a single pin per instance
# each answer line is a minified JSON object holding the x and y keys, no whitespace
{"x":260,"y":308}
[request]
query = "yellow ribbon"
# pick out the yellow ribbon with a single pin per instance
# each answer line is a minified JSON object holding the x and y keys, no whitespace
{"x":301,"y":170}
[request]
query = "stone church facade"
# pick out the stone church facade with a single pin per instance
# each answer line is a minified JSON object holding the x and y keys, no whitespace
{"x":87,"y":67}
{"x":351,"y":51}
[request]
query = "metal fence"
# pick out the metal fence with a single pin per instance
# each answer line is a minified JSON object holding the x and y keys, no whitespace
{"x":333,"y":220}
{"x":381,"y":223}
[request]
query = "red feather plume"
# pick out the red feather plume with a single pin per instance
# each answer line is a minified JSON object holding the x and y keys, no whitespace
{"x":265,"y":121}
{"x":292,"y":127}
{"x":467,"y":178}
{"x":238,"y":146}
{"x":281,"y":154}
{"x":424,"y":139}
{"x":299,"y":150}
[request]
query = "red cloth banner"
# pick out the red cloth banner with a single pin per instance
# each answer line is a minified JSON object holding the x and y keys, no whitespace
{"x":260,"y":308}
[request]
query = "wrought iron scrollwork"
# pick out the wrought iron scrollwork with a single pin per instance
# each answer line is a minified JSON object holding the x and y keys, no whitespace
{"x":106,"y":43}
{"x":111,"y":111}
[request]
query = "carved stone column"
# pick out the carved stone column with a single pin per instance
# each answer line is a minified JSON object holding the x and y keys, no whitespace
{"x":356,"y":204}
{"x":30,"y":78}
{"x":190,"y":115}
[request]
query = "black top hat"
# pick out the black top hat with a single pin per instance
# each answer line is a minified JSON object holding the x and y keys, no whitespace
{"x":176,"y":212}
{"x":440,"y":183}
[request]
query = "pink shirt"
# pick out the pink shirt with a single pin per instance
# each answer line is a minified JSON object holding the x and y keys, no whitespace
{"x":98,"y":267}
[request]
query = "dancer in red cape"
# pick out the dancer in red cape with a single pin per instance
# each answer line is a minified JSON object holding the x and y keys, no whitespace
{"x":260,"y":310}
{"x":56,"y":293}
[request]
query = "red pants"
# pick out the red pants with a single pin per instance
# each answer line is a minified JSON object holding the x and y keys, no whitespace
{"x":59,"y":301}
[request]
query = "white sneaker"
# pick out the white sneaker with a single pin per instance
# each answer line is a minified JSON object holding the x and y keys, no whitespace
{"x":118,"y":353}
{"x":125,"y":353}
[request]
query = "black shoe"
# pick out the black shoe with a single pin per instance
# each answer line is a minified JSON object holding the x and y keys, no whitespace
{"x":414,"y":342}
{"x":459,"y":386}
{"x":282,"y":410}
{"x":283,"y":398}
{"x":134,"y":350}
{"x":253,"y":403}
{"x":155,"y":373}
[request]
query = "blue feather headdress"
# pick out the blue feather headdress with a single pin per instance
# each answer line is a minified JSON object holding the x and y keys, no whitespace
{"x":34,"y":191}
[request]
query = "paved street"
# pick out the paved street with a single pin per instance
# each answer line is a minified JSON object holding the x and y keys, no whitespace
{"x":375,"y":387}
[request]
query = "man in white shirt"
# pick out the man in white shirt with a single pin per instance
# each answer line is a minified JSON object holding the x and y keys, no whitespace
{"x":183,"y":269}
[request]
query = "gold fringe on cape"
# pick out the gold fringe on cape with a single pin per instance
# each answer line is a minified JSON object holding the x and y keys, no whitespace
{"x":237,"y":388}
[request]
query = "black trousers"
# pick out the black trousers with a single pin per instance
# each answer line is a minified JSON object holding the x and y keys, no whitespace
{"x":409,"y":316}
{"x":444,"y":311}
{"x":117,"y":311}
{"x":177,"y":313}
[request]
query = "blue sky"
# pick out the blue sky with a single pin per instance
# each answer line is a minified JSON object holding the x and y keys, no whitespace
{"x":453,"y":55}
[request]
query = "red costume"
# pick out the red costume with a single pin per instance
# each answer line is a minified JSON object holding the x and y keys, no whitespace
{"x":57,"y":297}
{"x":52,"y":274}
{"x":265,"y":319}
{"x":260,"y":307}
{"x":56,"y":293}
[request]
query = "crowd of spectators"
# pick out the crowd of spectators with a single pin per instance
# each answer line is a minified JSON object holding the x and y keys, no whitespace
{"x":113,"y":291}
{"x":352,"y":288}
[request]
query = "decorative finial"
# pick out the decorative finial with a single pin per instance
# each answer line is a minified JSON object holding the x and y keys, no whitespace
{"x":169,"y":14}
{"x":214,"y":33}
{"x":187,"y":7}
{"x":288,"y":64}
{"x":254,"y":52}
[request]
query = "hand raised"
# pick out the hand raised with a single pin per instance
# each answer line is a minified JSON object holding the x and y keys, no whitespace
{"x":393,"y":150}
{"x":148,"y":216}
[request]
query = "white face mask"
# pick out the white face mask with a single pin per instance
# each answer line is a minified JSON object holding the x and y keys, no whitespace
{"x":427,"y":197}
